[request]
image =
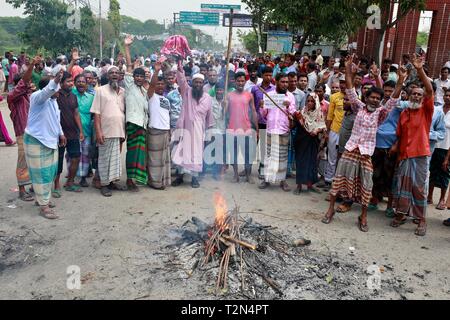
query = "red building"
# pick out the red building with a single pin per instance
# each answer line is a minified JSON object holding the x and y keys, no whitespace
{"x":402,"y":38}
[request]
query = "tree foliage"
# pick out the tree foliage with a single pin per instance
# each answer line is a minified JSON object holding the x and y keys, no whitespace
{"x":249,"y":40}
{"x":333,"y":19}
{"x":46,"y":26}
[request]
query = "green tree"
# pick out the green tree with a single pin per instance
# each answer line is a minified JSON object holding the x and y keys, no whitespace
{"x":249,"y":40}
{"x":46,"y":26}
{"x":422,"y":39}
{"x":115,"y":19}
{"x":333,"y":20}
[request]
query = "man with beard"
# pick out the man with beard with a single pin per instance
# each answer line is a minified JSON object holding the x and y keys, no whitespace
{"x":90,"y":81}
{"x":136,"y":100}
{"x":353,"y":178}
{"x":241,"y":126}
{"x":109,"y":119}
{"x":19,"y":104}
{"x":413,"y":130}
{"x":278,"y":128}
{"x":195,"y":118}
{"x":254,"y":79}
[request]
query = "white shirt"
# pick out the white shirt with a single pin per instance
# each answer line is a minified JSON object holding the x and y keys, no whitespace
{"x":218,"y":69}
{"x":159,"y":112}
{"x":439,"y":99}
{"x":249,"y":84}
{"x":445,"y":144}
{"x":312,"y":81}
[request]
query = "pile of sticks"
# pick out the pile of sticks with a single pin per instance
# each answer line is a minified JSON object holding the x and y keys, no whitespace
{"x":225,"y":241}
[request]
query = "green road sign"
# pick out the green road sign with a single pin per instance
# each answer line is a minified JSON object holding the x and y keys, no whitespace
{"x":203,"y":18}
{"x":220,"y":8}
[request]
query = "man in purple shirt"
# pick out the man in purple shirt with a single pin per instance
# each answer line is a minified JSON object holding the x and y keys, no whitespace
{"x":258,"y":96}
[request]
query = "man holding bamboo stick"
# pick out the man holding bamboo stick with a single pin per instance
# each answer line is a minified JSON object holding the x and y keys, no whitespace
{"x":278,"y":128}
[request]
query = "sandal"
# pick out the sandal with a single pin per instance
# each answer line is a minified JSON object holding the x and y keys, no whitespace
{"x":343,"y":208}
{"x":73,"y":188}
{"x":285,"y":187}
{"x":372,"y":207}
{"x":51,"y":205}
{"x":56,"y":193}
{"x":390,"y":213}
{"x":421,"y":230}
{"x":25,"y":196}
{"x":446,"y":223}
{"x":397,"y":223}
{"x":106,"y":192}
{"x":113,"y":186}
{"x":314,"y":190}
{"x":84,"y":184}
{"x":298,"y":191}
{"x":327,"y":219}
{"x":132,"y":188}
{"x":429,"y":201}
{"x":48,"y":213}
{"x":441,"y":206}
{"x":362,"y":227}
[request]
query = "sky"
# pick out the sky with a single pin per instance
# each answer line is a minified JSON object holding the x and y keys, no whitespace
{"x":162,"y":11}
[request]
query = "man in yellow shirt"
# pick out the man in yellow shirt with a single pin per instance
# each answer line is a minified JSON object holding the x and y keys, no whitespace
{"x":334,"y":121}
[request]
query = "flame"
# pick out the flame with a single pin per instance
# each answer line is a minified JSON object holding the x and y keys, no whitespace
{"x":221,"y":211}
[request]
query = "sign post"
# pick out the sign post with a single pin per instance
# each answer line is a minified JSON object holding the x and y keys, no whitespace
{"x":230,"y":36}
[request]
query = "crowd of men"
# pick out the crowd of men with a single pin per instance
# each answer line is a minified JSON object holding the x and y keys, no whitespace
{"x":343,"y":126}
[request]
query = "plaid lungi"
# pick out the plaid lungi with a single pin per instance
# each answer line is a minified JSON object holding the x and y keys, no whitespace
{"x":353,"y":179}
{"x":85,"y":160}
{"x":109,"y":164}
{"x":136,"y":159}
{"x":275,"y":164}
{"x":410,"y":193}
{"x":42,"y":165}
{"x":158,"y":158}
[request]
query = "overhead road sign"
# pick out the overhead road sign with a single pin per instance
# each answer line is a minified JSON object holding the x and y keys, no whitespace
{"x":219,"y":8}
{"x":239,"y":20}
{"x":202,"y":18}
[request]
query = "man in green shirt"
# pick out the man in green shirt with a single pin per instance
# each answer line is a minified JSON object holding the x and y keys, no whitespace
{"x":85,"y":100}
{"x":37,"y":74}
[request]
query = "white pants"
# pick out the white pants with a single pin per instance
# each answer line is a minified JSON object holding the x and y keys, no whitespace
{"x":333,"y":142}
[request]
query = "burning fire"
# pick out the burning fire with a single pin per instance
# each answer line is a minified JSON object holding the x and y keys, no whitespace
{"x":221,"y":211}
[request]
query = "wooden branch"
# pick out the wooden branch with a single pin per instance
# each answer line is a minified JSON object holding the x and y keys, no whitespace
{"x":240,"y":242}
{"x":282,"y":110}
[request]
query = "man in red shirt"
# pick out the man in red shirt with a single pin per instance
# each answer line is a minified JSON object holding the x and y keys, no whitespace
{"x":413,"y":130}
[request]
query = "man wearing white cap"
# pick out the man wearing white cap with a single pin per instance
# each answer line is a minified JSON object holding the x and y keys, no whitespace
{"x":195,"y":118}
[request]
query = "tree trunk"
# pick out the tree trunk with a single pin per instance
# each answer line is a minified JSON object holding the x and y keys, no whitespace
{"x":303,"y":41}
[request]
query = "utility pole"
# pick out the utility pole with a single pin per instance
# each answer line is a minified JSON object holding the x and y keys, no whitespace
{"x":174,"y":22}
{"x":101,"y":29}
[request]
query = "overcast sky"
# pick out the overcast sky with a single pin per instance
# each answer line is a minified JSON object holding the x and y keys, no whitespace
{"x":150,"y":9}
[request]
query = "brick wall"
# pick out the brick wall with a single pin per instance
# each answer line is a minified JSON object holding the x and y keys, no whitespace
{"x":403,"y":37}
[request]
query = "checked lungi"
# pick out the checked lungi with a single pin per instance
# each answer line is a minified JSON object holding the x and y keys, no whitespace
{"x":42,"y":165}
{"x":136,"y":159}
{"x":410,"y":194}
{"x":353,"y":179}
{"x":275,"y":164}
{"x":158,"y":158}
{"x":109,"y":164}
